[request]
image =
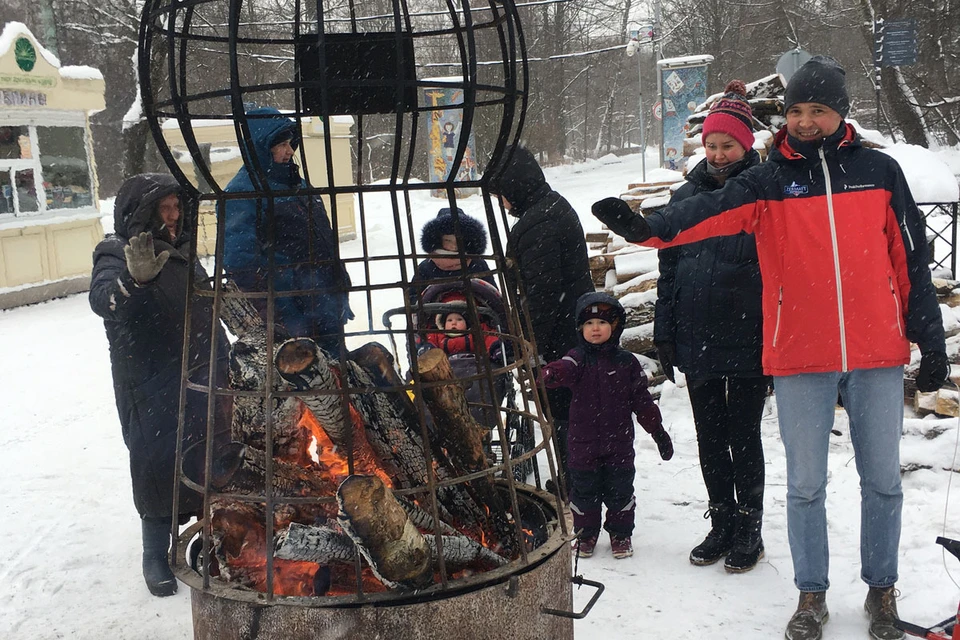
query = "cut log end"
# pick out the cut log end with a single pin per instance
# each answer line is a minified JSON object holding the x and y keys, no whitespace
{"x":294,"y":356}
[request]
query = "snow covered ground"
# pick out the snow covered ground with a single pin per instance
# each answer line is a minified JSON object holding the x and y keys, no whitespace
{"x":71,"y":541}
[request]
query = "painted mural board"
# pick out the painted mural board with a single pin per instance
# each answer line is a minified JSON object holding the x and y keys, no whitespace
{"x":444,"y":128}
{"x":683,"y":86}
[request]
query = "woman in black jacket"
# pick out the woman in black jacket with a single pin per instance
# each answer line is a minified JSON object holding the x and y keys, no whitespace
{"x":548,"y":247}
{"x":708,"y":323}
{"x":139,"y":288}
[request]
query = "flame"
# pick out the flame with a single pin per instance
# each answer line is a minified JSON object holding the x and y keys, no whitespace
{"x":331,"y":460}
{"x":249,"y":565}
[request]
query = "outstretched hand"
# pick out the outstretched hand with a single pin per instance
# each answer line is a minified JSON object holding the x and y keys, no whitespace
{"x":142,"y":263}
{"x":616,"y":214}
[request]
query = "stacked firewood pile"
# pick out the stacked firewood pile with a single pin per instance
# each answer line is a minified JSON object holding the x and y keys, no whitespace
{"x":350,"y":472}
{"x":629,"y":272}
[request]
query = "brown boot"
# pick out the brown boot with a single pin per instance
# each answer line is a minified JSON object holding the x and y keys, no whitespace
{"x":881,"y":607}
{"x":808,"y":620}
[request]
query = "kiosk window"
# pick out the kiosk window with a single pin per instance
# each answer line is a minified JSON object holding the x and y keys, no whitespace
{"x":14,"y":143}
{"x":6,"y":193}
{"x":63,"y":159}
{"x":26,"y":191}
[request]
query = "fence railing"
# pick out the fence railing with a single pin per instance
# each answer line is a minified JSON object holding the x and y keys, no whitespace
{"x":943,"y":231}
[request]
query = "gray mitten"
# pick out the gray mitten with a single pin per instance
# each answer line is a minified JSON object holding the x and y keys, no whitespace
{"x":142,"y":264}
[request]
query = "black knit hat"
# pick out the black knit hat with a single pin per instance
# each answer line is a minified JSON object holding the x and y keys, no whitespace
{"x":821,"y":80}
{"x":600,"y":310}
{"x":472,"y":239}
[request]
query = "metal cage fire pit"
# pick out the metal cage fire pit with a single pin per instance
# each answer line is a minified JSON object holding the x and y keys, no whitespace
{"x":340,"y":495}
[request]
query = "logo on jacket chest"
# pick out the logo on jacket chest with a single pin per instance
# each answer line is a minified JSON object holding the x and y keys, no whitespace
{"x":794,"y":189}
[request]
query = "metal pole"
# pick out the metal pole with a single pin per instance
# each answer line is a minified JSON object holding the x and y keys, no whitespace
{"x":877,"y":62}
{"x":643,"y":142}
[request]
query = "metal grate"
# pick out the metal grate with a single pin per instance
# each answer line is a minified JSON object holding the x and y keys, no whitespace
{"x":204,"y":62}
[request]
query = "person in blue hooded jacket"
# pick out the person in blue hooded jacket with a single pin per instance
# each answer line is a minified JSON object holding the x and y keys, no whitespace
{"x":304,"y":243}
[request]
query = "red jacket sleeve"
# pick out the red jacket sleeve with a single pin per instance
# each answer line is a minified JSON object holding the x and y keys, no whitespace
{"x":723,"y":212}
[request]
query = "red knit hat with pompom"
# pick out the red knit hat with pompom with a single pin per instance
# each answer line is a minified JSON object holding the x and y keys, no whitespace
{"x":731,"y":115}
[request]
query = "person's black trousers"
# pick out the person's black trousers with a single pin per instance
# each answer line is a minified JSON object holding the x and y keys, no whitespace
{"x":727,"y":414}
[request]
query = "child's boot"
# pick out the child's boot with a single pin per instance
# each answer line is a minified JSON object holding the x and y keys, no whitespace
{"x":584,"y":545}
{"x":622,"y":546}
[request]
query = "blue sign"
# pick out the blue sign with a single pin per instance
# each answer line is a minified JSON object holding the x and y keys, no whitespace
{"x":895,"y":42}
{"x":682,"y":88}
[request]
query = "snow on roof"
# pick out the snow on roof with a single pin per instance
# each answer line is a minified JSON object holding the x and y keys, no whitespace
{"x":683,"y":61}
{"x":80,"y":72}
{"x":13,"y":30}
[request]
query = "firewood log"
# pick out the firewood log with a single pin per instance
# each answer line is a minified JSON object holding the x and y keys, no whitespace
{"x":396,"y":552}
{"x":947,"y":403}
{"x":289,"y":480}
{"x":455,"y":427}
{"x":324,"y":545}
{"x":248,"y":362}
{"x":924,"y":403}
{"x":462,"y":438}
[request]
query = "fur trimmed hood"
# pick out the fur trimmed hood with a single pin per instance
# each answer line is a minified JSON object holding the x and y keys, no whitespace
{"x":472,"y":238}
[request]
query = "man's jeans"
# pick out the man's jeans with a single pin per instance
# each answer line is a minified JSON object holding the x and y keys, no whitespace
{"x":873,"y":399}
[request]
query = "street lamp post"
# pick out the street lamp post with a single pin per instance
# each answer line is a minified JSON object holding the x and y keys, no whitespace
{"x":632,"y":47}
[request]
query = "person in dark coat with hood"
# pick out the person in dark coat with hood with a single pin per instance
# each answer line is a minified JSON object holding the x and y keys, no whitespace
{"x":139,"y":287}
{"x":609,"y":387}
{"x":709,"y":324}
{"x":548,"y":248}
{"x":304,"y":244}
{"x":439,"y":237}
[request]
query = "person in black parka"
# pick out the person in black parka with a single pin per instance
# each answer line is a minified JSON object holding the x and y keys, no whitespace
{"x":139,"y":288}
{"x":548,"y":247}
{"x":708,"y":323}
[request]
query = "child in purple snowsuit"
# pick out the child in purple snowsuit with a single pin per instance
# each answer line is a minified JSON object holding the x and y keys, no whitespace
{"x":609,"y":387}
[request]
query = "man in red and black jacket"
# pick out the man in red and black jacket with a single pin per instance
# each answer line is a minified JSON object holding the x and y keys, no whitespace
{"x":846,"y":288}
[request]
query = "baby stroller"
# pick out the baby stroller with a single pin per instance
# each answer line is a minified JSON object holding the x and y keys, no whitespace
{"x":441,"y":299}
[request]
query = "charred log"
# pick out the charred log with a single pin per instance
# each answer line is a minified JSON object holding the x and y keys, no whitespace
{"x":324,"y":545}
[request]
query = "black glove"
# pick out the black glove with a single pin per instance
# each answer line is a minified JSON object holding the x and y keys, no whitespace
{"x":667,"y":354}
{"x":934,"y":371}
{"x":615,"y":213}
{"x":664,"y":444}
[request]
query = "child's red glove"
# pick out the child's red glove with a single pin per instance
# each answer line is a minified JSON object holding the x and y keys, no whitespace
{"x":664,"y":444}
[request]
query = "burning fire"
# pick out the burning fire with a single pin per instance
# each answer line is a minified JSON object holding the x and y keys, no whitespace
{"x":330,"y":461}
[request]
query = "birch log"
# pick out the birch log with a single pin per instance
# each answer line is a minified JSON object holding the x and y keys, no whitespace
{"x":396,"y":552}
